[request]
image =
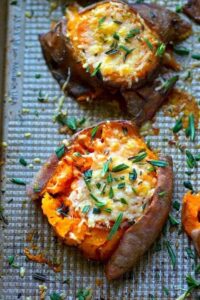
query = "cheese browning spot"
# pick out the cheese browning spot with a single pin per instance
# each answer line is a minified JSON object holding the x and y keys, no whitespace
{"x":113,"y":40}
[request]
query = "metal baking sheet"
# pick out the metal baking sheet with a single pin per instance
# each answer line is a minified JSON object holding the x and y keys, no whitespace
{"x":24,"y":60}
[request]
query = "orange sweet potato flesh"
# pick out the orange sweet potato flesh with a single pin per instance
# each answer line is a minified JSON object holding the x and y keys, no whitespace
{"x":191,"y":217}
{"x":130,"y":241}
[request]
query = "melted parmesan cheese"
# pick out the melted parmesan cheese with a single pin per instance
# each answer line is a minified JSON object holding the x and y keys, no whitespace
{"x":133,"y":195}
{"x":114,"y":27}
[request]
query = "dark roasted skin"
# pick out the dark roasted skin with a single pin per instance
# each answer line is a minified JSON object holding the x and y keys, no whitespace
{"x":75,"y":81}
{"x":140,"y":236}
{"x":192,"y":10}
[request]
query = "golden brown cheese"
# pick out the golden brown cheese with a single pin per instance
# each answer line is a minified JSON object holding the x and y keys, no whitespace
{"x":115,"y":40}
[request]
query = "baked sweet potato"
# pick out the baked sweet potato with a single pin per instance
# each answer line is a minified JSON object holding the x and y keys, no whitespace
{"x":105,"y":188}
{"x":111,"y":47}
{"x":191,"y":217}
{"x":192,"y":10}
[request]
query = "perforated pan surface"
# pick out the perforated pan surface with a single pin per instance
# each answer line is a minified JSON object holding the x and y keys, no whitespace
{"x":24,"y":60}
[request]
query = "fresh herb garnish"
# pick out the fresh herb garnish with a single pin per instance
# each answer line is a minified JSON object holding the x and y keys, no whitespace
{"x":102,"y":20}
{"x":18,"y":181}
{"x":11,"y":259}
{"x":173,"y":221}
{"x":83,"y":294}
{"x":94,"y":131}
{"x":60,"y":151}
{"x":23,"y":162}
{"x":122,"y":200}
{"x":139,"y":157}
{"x":98,"y":185}
{"x":121,"y":185}
{"x":188,"y":185}
{"x":166,"y":290}
{"x":96,"y":70}
{"x":55,"y":296}
{"x":162,"y":194}
{"x":116,"y":36}
{"x":39,"y":276}
{"x":115,"y":226}
{"x":63,"y":210}
{"x":191,"y":161}
{"x":160,"y":50}
{"x":192,"y":284}
{"x":190,"y":130}
{"x":97,"y":202}
{"x":112,"y":51}
{"x":127,"y":51}
{"x":38,"y":76}
{"x":106,"y":167}
{"x":179,"y":8}
{"x":133,"y":175}
{"x":169,"y":83}
{"x":86,"y":209}
{"x":158,"y":163}
{"x":149,"y":44}
{"x":87,"y":177}
{"x":117,"y":22}
{"x":196,"y":56}
{"x":190,"y":253}
{"x":120,"y":168}
{"x":42,"y":98}
{"x":178,"y":126}
{"x":109,"y":178}
{"x":176,"y":205}
{"x":103,"y":189}
{"x":132,"y":33}
{"x":171,"y":253}
{"x":71,"y":123}
{"x":96,"y":210}
{"x":108,"y":210}
{"x":111,"y":193}
{"x":181,"y":50}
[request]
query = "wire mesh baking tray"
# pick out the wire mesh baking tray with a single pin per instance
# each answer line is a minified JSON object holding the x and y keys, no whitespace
{"x":28,"y":131}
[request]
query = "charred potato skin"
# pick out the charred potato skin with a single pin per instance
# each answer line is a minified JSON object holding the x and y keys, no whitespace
{"x":140,"y":236}
{"x":34,"y":190}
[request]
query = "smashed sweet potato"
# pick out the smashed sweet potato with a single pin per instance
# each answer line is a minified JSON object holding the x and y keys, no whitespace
{"x":104,"y":189}
{"x":191,"y":217}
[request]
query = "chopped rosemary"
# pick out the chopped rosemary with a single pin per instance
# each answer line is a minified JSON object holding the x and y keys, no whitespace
{"x":132,"y":33}
{"x":173,"y":221}
{"x":71,"y":123}
{"x":23,"y":162}
{"x":18,"y":181}
{"x":190,"y":253}
{"x":108,"y":210}
{"x":121,"y":185}
{"x":115,"y":226}
{"x":97,"y":202}
{"x":160,"y":50}
{"x":196,"y":56}
{"x":109,"y":178}
{"x":176,"y":205}
{"x":158,"y":163}
{"x":77,"y":154}
{"x":83,"y":294}
{"x":179,"y":8}
{"x":117,"y":22}
{"x":111,"y":193}
{"x":88,"y":176}
{"x":166,"y":290}
{"x":94,"y":131}
{"x":102,"y":20}
{"x":55,"y":296}
{"x":96,"y":210}
{"x":190,"y":130}
{"x":86,"y":209}
{"x":39,"y":276}
{"x":106,"y":167}
{"x":112,"y":51}
{"x":60,"y":151}
{"x":181,"y":50}
{"x":169,"y":83}
{"x":120,"y":168}
{"x":149,"y":44}
{"x":162,"y":194}
{"x":178,"y":126}
{"x":133,"y":175}
{"x":188,"y":185}
{"x":139,"y":157}
{"x":98,"y":185}
{"x":127,"y":51}
{"x":103,"y":189}
{"x":116,"y":36}
{"x":191,"y":161}
{"x":122,"y":200}
{"x":171,"y":253}
{"x":96,"y":70}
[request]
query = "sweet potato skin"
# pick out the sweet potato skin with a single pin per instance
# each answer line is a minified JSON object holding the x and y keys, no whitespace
{"x":192,"y":10}
{"x":140,"y":236}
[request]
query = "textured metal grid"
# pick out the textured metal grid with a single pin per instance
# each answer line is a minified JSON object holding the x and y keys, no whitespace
{"x":154,"y":272}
